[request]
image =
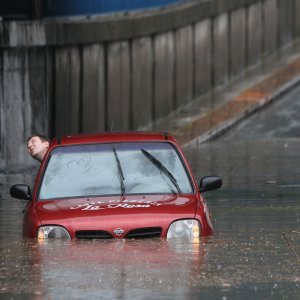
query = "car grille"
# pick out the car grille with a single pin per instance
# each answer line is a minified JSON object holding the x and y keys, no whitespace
{"x":92,"y":234}
{"x":142,"y":233}
{"x":139,"y":233}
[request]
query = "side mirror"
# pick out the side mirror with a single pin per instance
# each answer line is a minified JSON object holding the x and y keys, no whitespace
{"x":210,"y":183}
{"x":21,"y":191}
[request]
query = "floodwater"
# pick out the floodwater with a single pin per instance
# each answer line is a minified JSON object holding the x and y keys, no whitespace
{"x":252,"y":255}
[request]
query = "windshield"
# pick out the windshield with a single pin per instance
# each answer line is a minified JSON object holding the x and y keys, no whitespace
{"x":114,"y":169}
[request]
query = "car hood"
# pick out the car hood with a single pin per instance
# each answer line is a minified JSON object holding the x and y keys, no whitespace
{"x":111,"y":212}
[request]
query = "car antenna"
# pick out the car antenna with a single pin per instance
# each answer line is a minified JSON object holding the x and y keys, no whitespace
{"x":112,"y":126}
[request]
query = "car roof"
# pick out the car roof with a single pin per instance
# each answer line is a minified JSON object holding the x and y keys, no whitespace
{"x":108,"y":137}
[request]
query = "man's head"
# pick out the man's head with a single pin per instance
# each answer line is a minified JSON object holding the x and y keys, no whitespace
{"x":37,"y":146}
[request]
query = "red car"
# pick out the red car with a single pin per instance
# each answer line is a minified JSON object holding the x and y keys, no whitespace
{"x":116,"y":185}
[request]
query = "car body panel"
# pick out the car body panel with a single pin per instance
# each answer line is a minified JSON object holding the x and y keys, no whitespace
{"x":100,"y":213}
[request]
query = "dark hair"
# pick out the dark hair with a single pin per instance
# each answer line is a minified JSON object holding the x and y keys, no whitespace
{"x":43,"y":138}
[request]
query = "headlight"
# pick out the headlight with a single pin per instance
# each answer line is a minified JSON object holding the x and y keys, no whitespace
{"x":52,"y":232}
{"x":184,"y":229}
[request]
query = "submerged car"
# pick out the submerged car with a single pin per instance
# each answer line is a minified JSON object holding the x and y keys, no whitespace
{"x":116,"y":185}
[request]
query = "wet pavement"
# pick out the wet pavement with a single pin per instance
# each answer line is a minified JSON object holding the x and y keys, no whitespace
{"x":248,"y":257}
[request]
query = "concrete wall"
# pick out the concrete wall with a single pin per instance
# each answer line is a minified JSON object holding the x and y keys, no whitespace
{"x":118,"y":86}
{"x":220,"y":60}
{"x":237,"y":33}
{"x":254,"y":34}
{"x":183,"y":65}
{"x":92,"y":87}
{"x":23,"y":103}
{"x":142,"y":81}
{"x":67,"y":90}
{"x":203,"y":57}
{"x":270,"y":22}
{"x":164,"y":58}
{"x":296,"y":18}
{"x":286,"y":21}
{"x":122,"y":73}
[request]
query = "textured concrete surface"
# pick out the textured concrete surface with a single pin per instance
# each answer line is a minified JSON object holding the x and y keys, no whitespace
{"x":163,"y":77}
{"x":270,"y":11}
{"x":203,"y":57}
{"x":220,"y":50}
{"x":184,"y":65}
{"x":237,"y":59}
{"x":297,"y":20}
{"x":93,"y":89}
{"x":182,"y":123}
{"x":285,"y":20}
{"x":67,"y":79}
{"x":142,"y":68}
{"x":81,"y":30}
{"x":192,"y":128}
{"x":118,"y":86}
{"x":254,"y":42}
{"x":22,"y":94}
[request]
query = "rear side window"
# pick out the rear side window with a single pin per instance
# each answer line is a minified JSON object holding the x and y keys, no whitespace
{"x":114,"y":169}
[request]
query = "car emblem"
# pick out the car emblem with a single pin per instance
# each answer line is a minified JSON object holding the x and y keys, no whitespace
{"x":118,"y":231}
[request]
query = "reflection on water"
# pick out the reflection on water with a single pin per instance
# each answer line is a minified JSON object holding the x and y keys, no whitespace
{"x":87,"y":269}
{"x":246,"y":258}
{"x":255,"y":263}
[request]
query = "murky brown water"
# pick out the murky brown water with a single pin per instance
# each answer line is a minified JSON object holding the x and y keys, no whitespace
{"x":247,"y":257}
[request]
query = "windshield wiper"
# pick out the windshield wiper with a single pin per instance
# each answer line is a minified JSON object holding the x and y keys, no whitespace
{"x":120,"y":172}
{"x":162,"y":168}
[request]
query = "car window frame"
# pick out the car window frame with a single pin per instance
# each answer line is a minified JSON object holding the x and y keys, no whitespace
{"x":175,"y":147}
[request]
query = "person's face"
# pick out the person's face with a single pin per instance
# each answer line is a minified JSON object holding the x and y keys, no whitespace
{"x":37,"y":148}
